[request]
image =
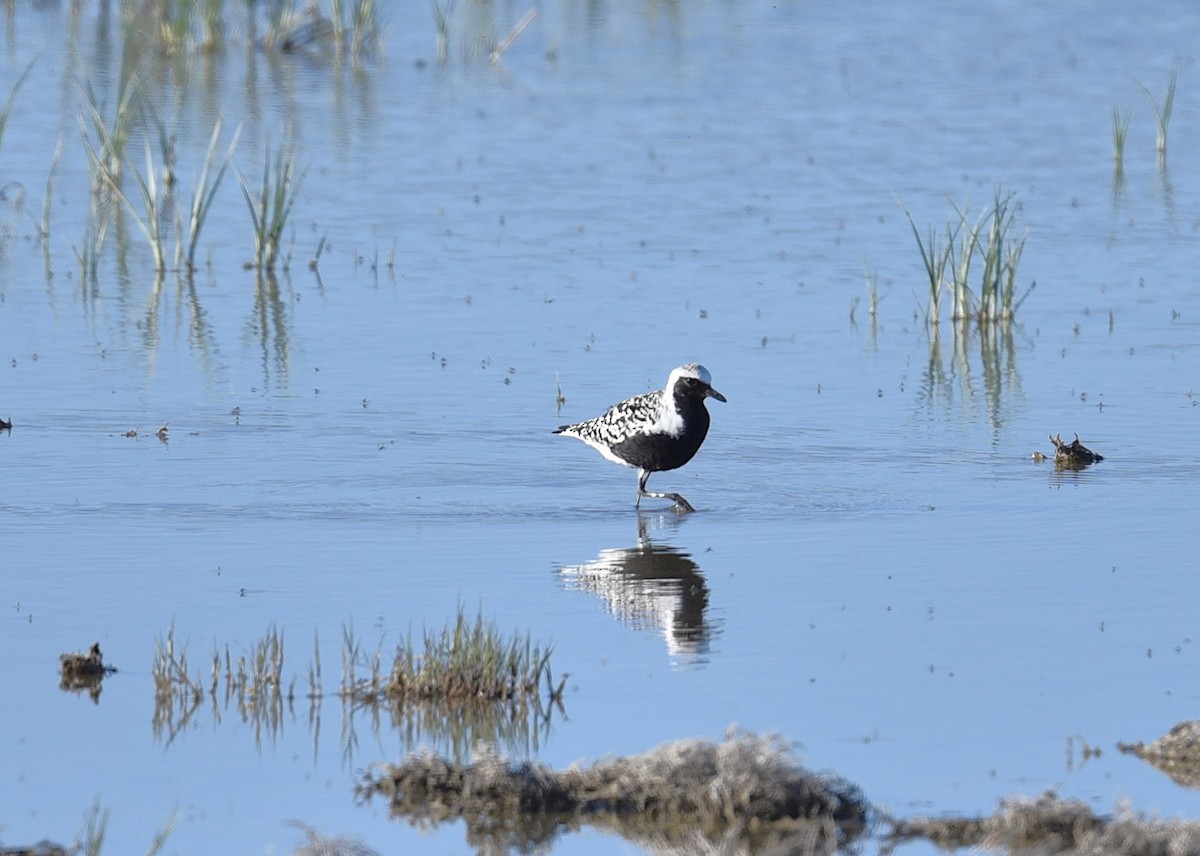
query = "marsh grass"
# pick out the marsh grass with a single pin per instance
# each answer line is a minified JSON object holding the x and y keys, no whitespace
{"x":253,"y":682}
{"x":1162,"y":114}
{"x":271,"y":206}
{"x":106,"y":155}
{"x":948,"y":257}
{"x":95,"y":829}
{"x":1001,"y":259}
{"x":156,"y":195}
{"x":443,"y":18}
{"x":106,"y":152}
{"x":466,"y":683}
{"x":871,"y":277}
{"x":11,"y":101}
{"x":177,"y":692}
{"x":43,"y":226}
{"x":151,"y":223}
{"x":187,"y":25}
{"x":14,"y":189}
{"x":207,"y":185}
{"x":935,"y":255}
{"x":361,"y":34}
{"x":1120,"y":131}
{"x":511,"y":37}
{"x":468,"y":659}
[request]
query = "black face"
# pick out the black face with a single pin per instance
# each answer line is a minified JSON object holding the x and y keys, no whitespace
{"x":690,"y":387}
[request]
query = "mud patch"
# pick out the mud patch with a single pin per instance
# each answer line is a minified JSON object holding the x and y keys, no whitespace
{"x":1176,"y":753}
{"x":1049,"y":824}
{"x":747,"y":790}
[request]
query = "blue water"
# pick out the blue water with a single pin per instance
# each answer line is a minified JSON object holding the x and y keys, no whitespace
{"x":878,"y":570}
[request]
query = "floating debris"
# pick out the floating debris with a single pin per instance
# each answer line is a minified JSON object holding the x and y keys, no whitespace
{"x":1049,"y":824}
{"x":1176,"y":753}
{"x":693,"y":794}
{"x":1070,"y":456}
{"x":84,"y":672}
{"x":5,"y":424}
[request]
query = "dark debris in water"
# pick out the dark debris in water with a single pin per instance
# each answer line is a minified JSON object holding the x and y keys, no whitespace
{"x":1070,"y":456}
{"x":692,"y":794}
{"x":1073,"y":455}
{"x":84,"y":672}
{"x":1176,"y":753}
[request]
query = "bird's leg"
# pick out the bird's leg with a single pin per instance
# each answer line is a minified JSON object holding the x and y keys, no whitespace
{"x":681,"y":504}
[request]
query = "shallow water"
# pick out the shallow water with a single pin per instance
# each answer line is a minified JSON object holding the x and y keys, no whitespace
{"x":878,"y":571}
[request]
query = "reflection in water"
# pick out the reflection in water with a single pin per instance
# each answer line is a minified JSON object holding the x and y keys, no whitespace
{"x":82,"y":673}
{"x":269,"y":324}
{"x":997,"y":369}
{"x":651,"y":586}
{"x":253,"y":690}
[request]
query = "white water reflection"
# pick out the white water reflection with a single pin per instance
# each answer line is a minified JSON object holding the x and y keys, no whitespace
{"x":652,"y":586}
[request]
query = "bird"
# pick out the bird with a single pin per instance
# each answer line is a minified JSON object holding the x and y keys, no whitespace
{"x":654,"y":431}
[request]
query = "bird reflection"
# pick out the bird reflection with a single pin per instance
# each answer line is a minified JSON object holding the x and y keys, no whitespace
{"x":651,"y":586}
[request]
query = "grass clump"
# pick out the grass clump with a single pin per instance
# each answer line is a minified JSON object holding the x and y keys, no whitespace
{"x":1162,"y":114}
{"x":271,"y":206}
{"x":95,"y":830}
{"x":948,"y":257}
{"x":465,"y":660}
{"x":467,"y":683}
{"x":155,"y":188}
{"x":12,"y":100}
{"x":106,"y":153}
{"x":14,"y":188}
{"x":1120,"y":130}
{"x":206,"y":191}
{"x":253,"y":681}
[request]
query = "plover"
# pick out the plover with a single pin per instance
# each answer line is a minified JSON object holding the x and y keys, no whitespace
{"x":654,"y":431}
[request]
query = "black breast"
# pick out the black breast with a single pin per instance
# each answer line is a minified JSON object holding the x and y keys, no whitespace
{"x":657,"y":452}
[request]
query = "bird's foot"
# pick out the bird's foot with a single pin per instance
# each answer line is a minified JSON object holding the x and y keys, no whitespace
{"x":681,"y":504}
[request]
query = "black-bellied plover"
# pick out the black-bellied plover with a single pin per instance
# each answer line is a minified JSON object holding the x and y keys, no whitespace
{"x":654,"y":431}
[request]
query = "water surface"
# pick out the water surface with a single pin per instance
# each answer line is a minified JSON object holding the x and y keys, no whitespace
{"x":878,"y":571}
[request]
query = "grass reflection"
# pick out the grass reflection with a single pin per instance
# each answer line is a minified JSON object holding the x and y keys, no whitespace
{"x":651,"y":586}
{"x":461,"y":686}
{"x":947,"y":378}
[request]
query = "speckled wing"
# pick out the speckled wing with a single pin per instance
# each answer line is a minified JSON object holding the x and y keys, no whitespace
{"x":621,"y":421}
